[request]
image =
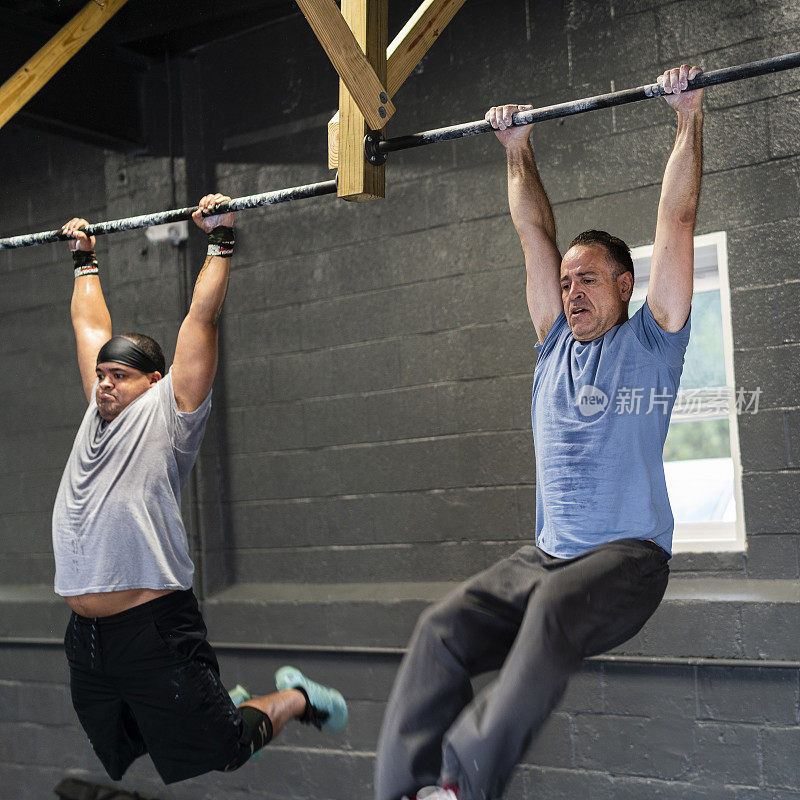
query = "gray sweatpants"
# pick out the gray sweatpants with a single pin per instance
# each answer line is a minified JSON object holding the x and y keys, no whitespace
{"x":533,"y":617}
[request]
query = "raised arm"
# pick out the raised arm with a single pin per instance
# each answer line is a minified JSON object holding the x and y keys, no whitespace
{"x":669,"y":294}
{"x":90,"y":318}
{"x":195,"y":361}
{"x":533,"y":218}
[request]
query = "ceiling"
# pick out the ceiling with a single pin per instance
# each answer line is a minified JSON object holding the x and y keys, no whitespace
{"x":117,"y":63}
{"x":149,"y":27}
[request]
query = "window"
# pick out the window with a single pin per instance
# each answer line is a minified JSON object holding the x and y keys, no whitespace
{"x":701,"y":454}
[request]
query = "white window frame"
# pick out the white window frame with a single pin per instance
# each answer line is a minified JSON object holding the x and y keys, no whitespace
{"x":707,"y":536}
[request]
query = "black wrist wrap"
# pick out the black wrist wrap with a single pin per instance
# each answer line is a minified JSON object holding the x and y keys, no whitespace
{"x":221,"y":241}
{"x":84,"y":262}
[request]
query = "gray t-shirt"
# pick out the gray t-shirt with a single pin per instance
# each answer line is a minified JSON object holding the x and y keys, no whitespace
{"x":117,"y":520}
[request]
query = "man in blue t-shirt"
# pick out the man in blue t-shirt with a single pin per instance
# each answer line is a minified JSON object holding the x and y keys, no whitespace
{"x":603,"y":391}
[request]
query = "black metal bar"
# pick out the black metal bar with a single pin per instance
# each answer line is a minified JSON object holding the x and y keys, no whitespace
{"x":378,"y":148}
{"x":162,"y":217}
{"x":725,"y":75}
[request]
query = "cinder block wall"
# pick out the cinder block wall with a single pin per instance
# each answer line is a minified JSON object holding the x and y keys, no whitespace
{"x":371,"y":436}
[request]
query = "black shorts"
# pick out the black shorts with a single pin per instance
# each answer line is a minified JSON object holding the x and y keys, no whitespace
{"x":147,"y":681}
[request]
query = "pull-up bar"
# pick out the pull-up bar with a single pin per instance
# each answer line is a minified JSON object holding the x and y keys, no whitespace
{"x":163,"y":217}
{"x":376,"y":148}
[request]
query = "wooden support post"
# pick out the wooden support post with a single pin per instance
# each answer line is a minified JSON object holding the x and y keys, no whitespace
{"x":358,"y":179}
{"x":403,"y":55}
{"x":346,"y":50}
{"x":38,"y":70}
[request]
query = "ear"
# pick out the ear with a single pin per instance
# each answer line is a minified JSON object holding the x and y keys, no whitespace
{"x":154,"y":377}
{"x":625,"y":286}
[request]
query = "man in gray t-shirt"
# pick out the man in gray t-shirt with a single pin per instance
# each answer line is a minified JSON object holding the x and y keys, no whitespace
{"x":143,"y":677}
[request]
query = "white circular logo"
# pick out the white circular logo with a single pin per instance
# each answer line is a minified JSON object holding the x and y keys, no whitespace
{"x":591,"y":400}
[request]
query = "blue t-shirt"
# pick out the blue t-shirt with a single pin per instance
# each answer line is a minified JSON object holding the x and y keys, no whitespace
{"x":600,"y":414}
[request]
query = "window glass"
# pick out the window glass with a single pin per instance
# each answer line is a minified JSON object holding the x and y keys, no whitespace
{"x":701,"y":453}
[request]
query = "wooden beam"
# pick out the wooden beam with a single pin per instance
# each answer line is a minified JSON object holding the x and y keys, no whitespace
{"x":345,"y":51}
{"x":403,"y":55}
{"x":416,"y":38}
{"x":38,"y":70}
{"x":358,"y":179}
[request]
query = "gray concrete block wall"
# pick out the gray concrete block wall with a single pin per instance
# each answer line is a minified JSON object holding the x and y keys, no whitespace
{"x":42,"y":189}
{"x":358,"y":348}
{"x":620,"y":731}
{"x":372,"y":411}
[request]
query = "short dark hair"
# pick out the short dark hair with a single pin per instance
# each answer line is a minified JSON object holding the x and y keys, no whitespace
{"x":151,"y":347}
{"x":619,"y":252}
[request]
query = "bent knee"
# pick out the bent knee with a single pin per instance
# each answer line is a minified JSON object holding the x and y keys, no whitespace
{"x":434,"y":621}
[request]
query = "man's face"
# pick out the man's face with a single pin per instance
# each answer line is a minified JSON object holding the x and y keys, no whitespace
{"x":119,"y":385}
{"x":594,"y":299}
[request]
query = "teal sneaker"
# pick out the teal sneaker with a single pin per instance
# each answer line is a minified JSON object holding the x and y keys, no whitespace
{"x":239,"y":694}
{"x":326,"y":707}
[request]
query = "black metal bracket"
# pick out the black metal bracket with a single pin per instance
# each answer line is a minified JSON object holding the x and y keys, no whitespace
{"x":371,"y":153}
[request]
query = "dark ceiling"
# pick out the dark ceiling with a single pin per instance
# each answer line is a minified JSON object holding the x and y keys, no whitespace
{"x":150,"y":26}
{"x":120,"y":63}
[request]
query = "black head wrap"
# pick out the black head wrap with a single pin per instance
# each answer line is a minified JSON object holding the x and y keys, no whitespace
{"x":124,"y":351}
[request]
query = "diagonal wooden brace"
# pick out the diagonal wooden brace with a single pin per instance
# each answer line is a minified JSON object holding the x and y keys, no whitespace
{"x":416,"y":38}
{"x":38,"y":70}
{"x":347,"y":57}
